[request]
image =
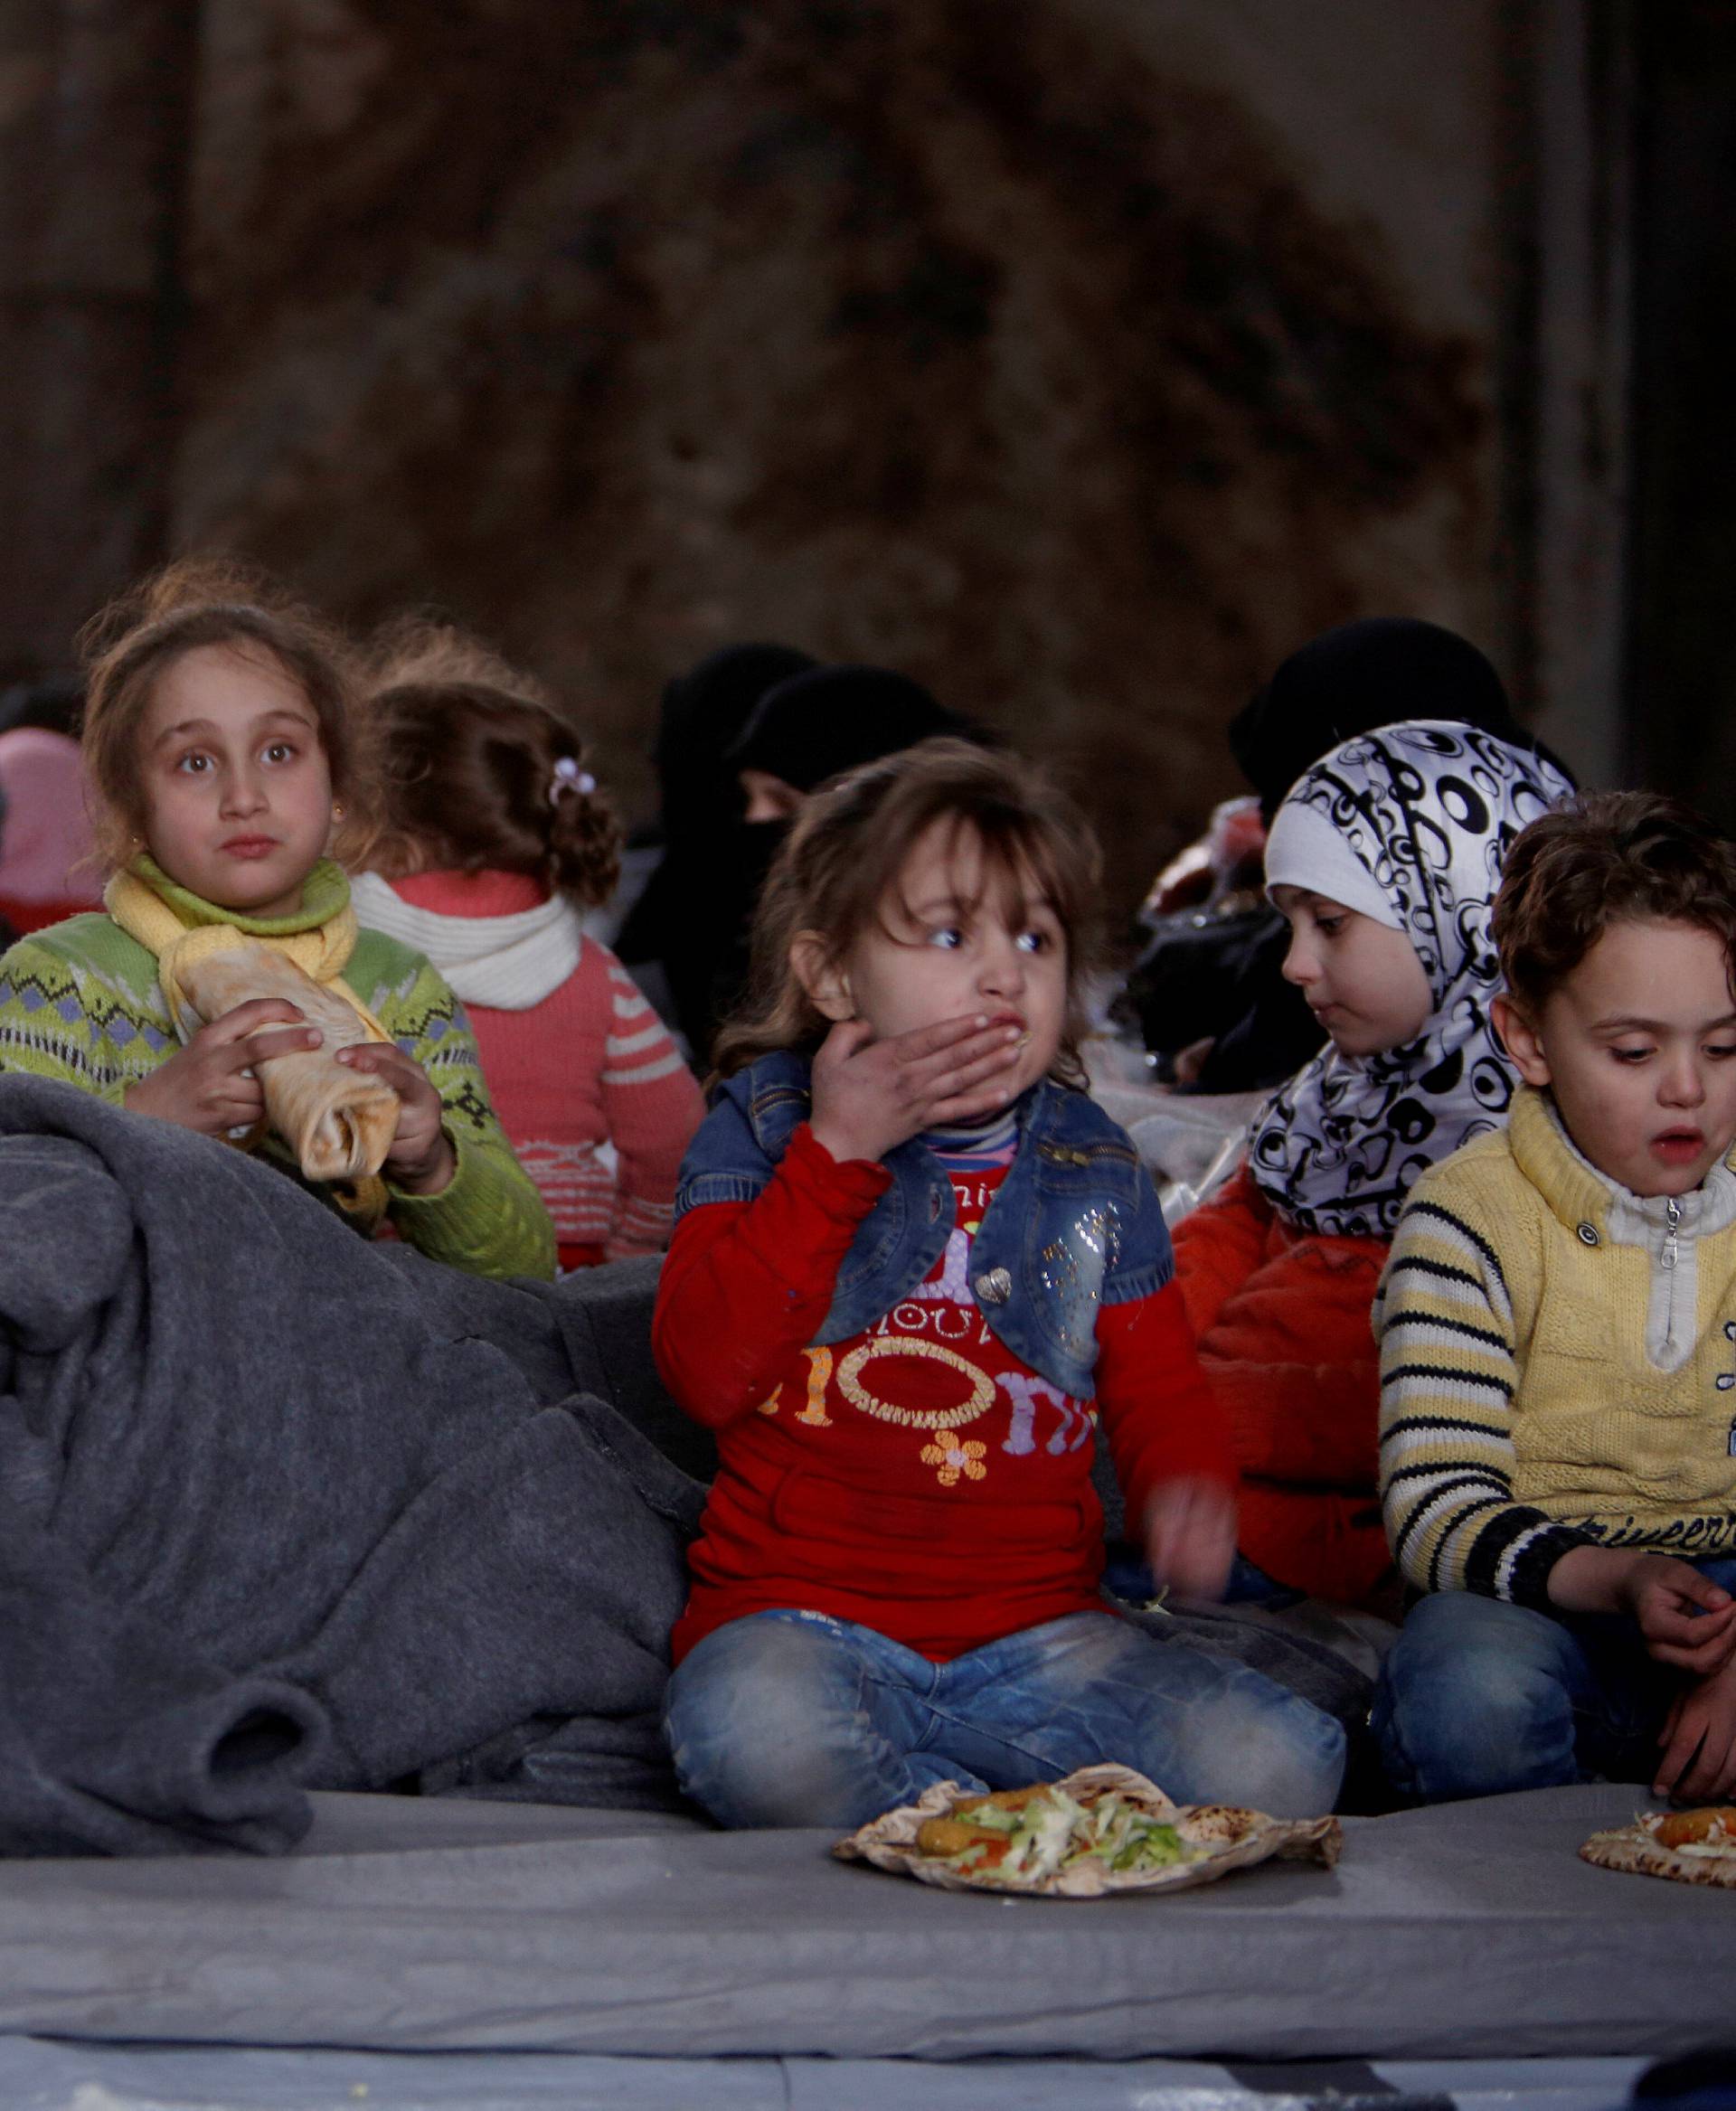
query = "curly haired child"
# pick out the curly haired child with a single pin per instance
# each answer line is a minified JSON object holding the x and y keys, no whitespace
{"x":1558,"y":1441}
{"x":495,"y":840}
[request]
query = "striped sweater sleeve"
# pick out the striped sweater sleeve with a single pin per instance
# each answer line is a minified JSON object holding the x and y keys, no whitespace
{"x":1448,"y":1374}
{"x":652,"y":1105}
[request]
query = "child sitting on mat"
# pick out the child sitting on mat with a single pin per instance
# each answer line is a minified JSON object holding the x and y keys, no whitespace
{"x":1384,"y":858}
{"x":1558,"y":1342}
{"x":912,"y":1265}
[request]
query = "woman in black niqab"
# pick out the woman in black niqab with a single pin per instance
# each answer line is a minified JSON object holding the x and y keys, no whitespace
{"x":694,"y":906}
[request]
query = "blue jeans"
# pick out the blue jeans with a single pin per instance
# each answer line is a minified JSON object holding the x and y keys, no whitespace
{"x":790,"y":1718}
{"x":1478,"y":1697}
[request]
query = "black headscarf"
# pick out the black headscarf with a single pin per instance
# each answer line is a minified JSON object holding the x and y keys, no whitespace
{"x":1357,"y":678}
{"x":703,"y":715}
{"x":56,"y":704}
{"x":829,"y":718}
{"x":695,"y":907}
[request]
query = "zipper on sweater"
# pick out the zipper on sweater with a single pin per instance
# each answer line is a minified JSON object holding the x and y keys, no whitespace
{"x":1667,"y":1261}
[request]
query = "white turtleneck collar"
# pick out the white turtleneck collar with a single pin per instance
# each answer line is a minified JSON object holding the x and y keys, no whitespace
{"x":1668,"y":1229}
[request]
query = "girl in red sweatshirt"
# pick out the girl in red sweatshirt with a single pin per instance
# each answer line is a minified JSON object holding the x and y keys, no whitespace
{"x":913,"y":1266}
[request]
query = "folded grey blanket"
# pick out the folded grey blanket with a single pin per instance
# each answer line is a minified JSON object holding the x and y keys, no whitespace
{"x":279,"y":1508}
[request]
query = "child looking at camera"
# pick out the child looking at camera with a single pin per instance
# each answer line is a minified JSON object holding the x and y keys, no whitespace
{"x":496,"y":841}
{"x":1558,"y":1342}
{"x":218,"y":743}
{"x":913,"y":1266}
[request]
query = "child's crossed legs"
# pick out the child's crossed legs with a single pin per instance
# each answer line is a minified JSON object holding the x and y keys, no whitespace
{"x":787,"y":1718}
{"x":1479,"y":1697}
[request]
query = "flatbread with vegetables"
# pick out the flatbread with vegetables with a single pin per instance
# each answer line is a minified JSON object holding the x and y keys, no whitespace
{"x":1102,"y":1829}
{"x":1691,"y":1847}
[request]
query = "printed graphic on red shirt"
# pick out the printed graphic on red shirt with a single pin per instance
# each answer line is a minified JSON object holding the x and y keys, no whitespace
{"x":934,"y":1366}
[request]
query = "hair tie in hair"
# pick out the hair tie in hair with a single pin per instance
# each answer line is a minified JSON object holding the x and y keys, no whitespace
{"x":570,"y":777}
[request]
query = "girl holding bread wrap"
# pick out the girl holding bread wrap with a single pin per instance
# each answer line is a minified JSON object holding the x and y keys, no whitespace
{"x":225,"y":987}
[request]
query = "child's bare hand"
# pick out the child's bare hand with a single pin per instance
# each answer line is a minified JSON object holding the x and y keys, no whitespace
{"x":1698,"y":1740}
{"x":1685,"y":1618}
{"x":870,"y":1096}
{"x":1191,"y":1535}
{"x":422,"y":1159}
{"x":212,"y":1085}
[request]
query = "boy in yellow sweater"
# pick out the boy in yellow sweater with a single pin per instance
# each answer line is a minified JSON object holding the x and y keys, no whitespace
{"x":1557,"y":1323}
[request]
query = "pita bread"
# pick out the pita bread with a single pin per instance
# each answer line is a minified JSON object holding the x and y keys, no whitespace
{"x":338,"y":1122}
{"x":1709,"y":1859}
{"x":1218,"y":1838}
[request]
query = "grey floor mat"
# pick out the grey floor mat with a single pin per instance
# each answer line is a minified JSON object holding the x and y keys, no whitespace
{"x":1470,"y":1931}
{"x":39,"y":2075}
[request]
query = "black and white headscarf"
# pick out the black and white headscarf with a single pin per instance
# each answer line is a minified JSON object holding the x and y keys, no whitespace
{"x":1426,"y":811}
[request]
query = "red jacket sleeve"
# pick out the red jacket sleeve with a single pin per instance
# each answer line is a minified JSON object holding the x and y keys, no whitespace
{"x":746,"y":1284}
{"x":1292,"y":1361}
{"x":1219,"y":1246}
{"x":1157,"y":1410}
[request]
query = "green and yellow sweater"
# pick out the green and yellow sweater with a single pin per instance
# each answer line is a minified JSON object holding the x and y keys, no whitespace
{"x":80,"y":1002}
{"x":1558,"y":1365}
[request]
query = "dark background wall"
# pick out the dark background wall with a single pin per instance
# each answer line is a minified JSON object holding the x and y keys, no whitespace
{"x":1079,"y":356}
{"x":1681,"y":666}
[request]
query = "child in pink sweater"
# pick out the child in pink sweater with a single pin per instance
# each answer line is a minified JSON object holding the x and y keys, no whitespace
{"x":495,"y":840}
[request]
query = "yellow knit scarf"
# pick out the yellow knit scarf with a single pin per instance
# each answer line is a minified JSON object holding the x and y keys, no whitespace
{"x":180,"y":929}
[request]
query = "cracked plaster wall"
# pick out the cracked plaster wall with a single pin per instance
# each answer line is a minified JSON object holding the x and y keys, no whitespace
{"x":1077,"y":356}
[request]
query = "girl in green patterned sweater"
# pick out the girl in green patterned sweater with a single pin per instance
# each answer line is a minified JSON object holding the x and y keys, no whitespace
{"x":219,"y":746}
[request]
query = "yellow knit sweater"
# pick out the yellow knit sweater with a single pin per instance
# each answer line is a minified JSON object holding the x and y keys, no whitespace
{"x":1558,"y":1365}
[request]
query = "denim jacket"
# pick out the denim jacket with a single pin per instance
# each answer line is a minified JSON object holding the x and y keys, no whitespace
{"x":1076,"y":1222}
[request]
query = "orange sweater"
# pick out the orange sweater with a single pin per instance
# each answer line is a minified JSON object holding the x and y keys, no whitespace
{"x":1281,"y":1317}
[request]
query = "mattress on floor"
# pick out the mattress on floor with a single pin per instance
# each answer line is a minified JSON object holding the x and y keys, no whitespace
{"x":1468,"y":1931}
{"x":62,"y":2074}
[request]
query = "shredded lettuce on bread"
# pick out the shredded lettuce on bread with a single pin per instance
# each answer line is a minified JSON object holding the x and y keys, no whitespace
{"x":1028,"y":1834}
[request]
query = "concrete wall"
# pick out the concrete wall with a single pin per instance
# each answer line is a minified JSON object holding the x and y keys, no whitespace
{"x":94,"y":125}
{"x":1079,"y":356}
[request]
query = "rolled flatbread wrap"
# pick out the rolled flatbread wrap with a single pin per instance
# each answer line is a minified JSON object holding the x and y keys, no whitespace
{"x":338,"y":1122}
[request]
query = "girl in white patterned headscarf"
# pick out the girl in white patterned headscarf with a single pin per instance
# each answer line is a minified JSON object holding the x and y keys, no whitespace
{"x":1406,"y":829}
{"x":1384,"y":857}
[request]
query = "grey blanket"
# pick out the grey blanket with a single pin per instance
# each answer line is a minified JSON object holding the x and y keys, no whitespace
{"x":280,"y":1509}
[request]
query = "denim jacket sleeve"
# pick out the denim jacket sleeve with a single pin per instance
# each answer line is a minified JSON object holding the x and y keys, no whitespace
{"x":1084,"y":1158}
{"x":1076,"y":1227}
{"x":1145,"y":1260}
{"x":737,"y":1146}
